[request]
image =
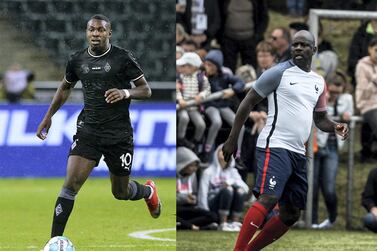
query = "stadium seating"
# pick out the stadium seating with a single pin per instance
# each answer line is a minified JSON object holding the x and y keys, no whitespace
{"x":145,"y":27}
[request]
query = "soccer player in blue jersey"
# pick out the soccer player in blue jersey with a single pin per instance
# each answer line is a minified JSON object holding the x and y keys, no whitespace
{"x":103,"y":126}
{"x":295,"y":95}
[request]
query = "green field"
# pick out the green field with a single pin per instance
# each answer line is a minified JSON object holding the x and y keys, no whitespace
{"x":98,"y":221}
{"x":294,"y":240}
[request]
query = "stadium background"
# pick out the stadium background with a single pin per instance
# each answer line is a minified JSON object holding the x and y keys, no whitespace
{"x":40,"y":35}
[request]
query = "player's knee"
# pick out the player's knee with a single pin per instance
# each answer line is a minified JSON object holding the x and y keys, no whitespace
{"x":289,"y":215}
{"x":268,"y":201}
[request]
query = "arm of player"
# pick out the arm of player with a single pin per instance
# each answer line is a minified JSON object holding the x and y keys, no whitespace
{"x":324,"y":123}
{"x":230,"y":146}
{"x":61,"y":95}
{"x":141,"y":91}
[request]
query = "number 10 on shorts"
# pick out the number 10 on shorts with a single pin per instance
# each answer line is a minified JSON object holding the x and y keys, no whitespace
{"x":126,"y":160}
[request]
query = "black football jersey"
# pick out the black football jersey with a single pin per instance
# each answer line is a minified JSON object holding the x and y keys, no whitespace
{"x":113,"y":69}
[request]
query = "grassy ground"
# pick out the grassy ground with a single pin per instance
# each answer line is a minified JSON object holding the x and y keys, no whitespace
{"x":98,"y":221}
{"x":294,"y":240}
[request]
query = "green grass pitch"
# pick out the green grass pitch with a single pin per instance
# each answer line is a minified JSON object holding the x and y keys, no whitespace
{"x":294,"y":240}
{"x":98,"y":221}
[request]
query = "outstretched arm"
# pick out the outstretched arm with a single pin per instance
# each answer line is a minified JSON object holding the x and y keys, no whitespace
{"x":230,"y":146}
{"x":324,"y":123}
{"x":141,"y":91}
{"x":61,"y":95}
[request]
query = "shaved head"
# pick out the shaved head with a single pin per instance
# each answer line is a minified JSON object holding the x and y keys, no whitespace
{"x":304,"y":35}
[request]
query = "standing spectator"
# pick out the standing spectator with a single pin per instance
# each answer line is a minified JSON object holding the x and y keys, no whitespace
{"x":220,"y":109}
{"x":188,"y":215}
{"x":369,"y":201}
{"x":359,"y":46}
{"x":243,"y":25}
{"x":223,"y":191}
{"x":201,"y":20}
{"x":326,"y":158}
{"x":366,"y":95}
{"x":281,"y":40}
{"x":192,"y":85}
{"x":16,"y":82}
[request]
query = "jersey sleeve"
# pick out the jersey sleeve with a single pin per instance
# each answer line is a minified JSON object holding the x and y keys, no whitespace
{"x":268,"y":81}
{"x":321,"y":105}
{"x":133,"y":69}
{"x":70,"y":75}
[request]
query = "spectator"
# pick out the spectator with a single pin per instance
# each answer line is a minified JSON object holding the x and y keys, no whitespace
{"x":369,"y":201}
{"x":326,"y":158}
{"x":281,"y":40}
{"x":188,"y":215}
{"x":180,"y":34}
{"x":189,"y":46}
{"x":359,"y":46}
{"x":220,"y":109}
{"x":222,"y":191}
{"x":266,"y":56}
{"x":201,"y":20}
{"x":16,"y":82}
{"x":246,"y":73}
{"x":178,"y":52}
{"x":192,"y":85}
{"x":325,"y":62}
{"x":366,"y":96}
{"x":243,"y":25}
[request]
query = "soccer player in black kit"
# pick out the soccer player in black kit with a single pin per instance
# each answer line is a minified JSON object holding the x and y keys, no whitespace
{"x":103,"y":126}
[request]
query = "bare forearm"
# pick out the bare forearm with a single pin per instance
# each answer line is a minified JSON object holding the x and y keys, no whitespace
{"x":140,"y":92}
{"x":59,"y":99}
{"x":324,"y":123}
{"x":247,"y":104}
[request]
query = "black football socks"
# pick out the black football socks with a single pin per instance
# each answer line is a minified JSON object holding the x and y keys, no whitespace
{"x":63,"y":208}
{"x":138,"y":191}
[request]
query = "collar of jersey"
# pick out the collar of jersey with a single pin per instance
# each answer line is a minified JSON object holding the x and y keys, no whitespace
{"x":101,"y":54}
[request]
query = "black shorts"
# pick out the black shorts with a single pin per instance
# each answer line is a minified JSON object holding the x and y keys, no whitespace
{"x":118,"y":157}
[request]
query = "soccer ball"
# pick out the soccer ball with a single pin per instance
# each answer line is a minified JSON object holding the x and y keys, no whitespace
{"x":59,"y":243}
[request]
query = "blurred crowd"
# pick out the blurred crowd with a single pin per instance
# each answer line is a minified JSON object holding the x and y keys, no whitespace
{"x":222,"y":47}
{"x":16,"y":84}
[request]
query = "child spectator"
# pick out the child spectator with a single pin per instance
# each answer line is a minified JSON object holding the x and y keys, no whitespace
{"x":219,"y":109}
{"x":191,"y":85}
{"x":188,"y":215}
{"x":222,"y":190}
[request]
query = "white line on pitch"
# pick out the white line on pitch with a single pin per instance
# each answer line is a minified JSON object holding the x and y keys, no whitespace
{"x":145,"y":234}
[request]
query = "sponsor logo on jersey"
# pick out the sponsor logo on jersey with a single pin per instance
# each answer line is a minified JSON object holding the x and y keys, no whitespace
{"x":96,"y":68}
{"x":316,"y":89}
{"x":293,"y":83}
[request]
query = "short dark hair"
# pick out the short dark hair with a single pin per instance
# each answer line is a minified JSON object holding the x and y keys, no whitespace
{"x":102,"y":17}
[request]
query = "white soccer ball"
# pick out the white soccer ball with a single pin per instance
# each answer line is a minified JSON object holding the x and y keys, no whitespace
{"x":59,"y":243}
